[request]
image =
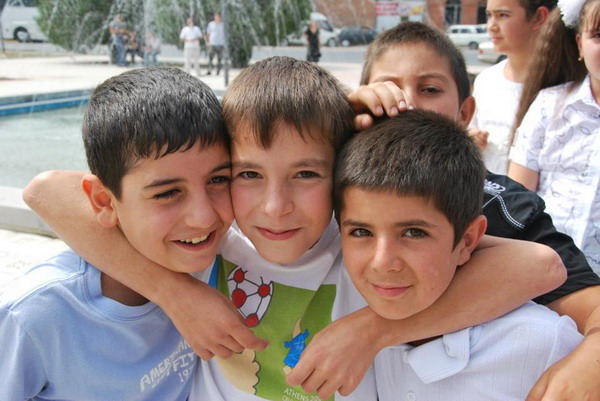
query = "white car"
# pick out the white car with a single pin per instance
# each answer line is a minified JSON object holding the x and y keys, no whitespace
{"x":19,"y":21}
{"x":487,"y":54}
{"x":468,"y":35}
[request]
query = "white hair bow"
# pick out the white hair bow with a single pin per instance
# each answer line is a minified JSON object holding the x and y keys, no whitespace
{"x":570,"y":10}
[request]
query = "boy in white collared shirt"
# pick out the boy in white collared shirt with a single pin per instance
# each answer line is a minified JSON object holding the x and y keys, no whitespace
{"x":407,"y":226}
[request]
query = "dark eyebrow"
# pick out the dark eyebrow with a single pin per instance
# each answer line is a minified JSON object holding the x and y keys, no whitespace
{"x":404,"y":223}
{"x":174,"y":180}
{"x":313,"y":162}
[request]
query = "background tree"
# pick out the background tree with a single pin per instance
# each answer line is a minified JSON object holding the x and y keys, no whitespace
{"x":80,"y":24}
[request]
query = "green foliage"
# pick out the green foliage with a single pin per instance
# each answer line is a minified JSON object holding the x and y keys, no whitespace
{"x":76,"y":24}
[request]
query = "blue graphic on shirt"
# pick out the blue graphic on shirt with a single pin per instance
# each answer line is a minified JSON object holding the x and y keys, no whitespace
{"x":296,"y":346}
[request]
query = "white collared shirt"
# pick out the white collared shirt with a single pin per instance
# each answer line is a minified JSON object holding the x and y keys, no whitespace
{"x":560,"y":138}
{"x":498,"y":360}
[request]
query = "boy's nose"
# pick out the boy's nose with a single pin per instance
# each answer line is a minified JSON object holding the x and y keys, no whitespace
{"x":278,"y":200}
{"x":200,"y":212}
{"x":385,"y":257}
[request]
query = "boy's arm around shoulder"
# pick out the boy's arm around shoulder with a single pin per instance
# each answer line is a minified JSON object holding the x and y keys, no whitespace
{"x":207,"y":320}
{"x":501,"y":275}
{"x":513,"y":211}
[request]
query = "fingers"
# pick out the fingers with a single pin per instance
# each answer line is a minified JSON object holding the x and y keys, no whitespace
{"x":479,"y":137}
{"x":246,"y":339}
{"x":378,"y":99}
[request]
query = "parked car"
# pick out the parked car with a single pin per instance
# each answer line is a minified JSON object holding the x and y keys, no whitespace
{"x":468,"y":35}
{"x":19,"y":21}
{"x":487,"y":54}
{"x":356,"y":35}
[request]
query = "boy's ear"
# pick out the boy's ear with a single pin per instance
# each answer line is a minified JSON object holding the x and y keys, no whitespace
{"x":471,"y":238}
{"x":466,"y":111}
{"x":101,"y":200}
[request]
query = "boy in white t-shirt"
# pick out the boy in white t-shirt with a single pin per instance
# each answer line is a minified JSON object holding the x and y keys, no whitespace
{"x":191,"y":35}
{"x":407,"y":226}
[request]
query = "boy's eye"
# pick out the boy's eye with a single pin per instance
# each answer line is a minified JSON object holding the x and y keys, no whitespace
{"x":249,"y":175}
{"x":307,"y":174}
{"x":415,"y":233}
{"x":432,"y":90}
{"x":166,"y":194}
{"x":360,"y":232}
{"x":221,"y":179}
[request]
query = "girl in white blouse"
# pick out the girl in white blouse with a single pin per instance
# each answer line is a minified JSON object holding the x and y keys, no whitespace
{"x":557,"y":147}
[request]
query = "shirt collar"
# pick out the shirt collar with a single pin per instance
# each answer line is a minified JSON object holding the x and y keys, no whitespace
{"x":441,"y":358}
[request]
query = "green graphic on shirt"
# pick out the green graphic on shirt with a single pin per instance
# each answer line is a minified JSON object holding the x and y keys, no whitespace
{"x":286,"y":316}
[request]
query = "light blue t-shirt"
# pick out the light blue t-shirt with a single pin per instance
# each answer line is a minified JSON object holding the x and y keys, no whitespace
{"x":61,"y":339}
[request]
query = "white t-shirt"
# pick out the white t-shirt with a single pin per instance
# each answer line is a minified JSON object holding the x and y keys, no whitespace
{"x":287,"y":305}
{"x":498,"y":360}
{"x":497,"y":100}
{"x":560,"y":138}
{"x":191,"y":36}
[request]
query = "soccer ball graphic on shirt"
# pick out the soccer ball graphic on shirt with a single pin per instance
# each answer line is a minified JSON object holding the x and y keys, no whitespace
{"x":250,"y":295}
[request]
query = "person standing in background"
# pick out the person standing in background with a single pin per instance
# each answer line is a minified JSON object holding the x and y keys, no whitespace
{"x":151,"y":49}
{"x":117,"y":29}
{"x":190,"y":36}
{"x":513,"y":26}
{"x":311,"y":36}
{"x":215,"y":40}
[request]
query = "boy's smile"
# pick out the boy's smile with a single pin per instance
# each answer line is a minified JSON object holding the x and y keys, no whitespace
{"x":175,"y":209}
{"x":282,"y":195}
{"x":398,"y":250}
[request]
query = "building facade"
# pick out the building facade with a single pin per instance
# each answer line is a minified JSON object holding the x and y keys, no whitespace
{"x":378,"y":14}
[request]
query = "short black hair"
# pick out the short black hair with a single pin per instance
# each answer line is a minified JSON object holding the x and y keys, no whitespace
{"x":418,"y":153}
{"x":144,"y":113}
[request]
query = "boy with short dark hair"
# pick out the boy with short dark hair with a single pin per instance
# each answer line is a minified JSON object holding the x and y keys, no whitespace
{"x":407,"y":225}
{"x":69,"y":331}
{"x":417,"y":72}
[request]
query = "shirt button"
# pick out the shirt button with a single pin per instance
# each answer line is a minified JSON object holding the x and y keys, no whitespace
{"x":410,"y":396}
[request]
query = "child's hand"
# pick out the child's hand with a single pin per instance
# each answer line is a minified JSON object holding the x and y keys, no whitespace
{"x":376,"y":100}
{"x":209,"y":322}
{"x":479,"y":137}
{"x":573,"y":378}
{"x":338,"y":357}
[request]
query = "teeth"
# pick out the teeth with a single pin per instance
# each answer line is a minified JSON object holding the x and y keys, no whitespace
{"x":195,"y":240}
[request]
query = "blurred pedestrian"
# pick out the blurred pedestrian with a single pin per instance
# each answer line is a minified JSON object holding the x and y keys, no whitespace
{"x":117,"y":30}
{"x":151,"y":49}
{"x":190,"y":36}
{"x":311,"y":37}
{"x":557,"y":145}
{"x":132,"y":46}
{"x":215,"y":40}
{"x":513,"y":26}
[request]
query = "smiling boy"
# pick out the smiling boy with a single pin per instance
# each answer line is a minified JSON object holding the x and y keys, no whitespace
{"x":69,"y":331}
{"x":444,"y":87}
{"x":407,"y":226}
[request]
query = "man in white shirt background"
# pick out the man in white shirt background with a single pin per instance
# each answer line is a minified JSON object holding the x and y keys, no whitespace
{"x":190,"y":36}
{"x":215,"y":39}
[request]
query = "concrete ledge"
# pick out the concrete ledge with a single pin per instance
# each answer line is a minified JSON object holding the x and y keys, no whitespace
{"x":15,"y":215}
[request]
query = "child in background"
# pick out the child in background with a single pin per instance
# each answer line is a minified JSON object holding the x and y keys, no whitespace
{"x":417,"y":66}
{"x":407,"y":225}
{"x":558,"y":140}
{"x":513,"y":26}
{"x":285,"y":276}
{"x":70,"y":332}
